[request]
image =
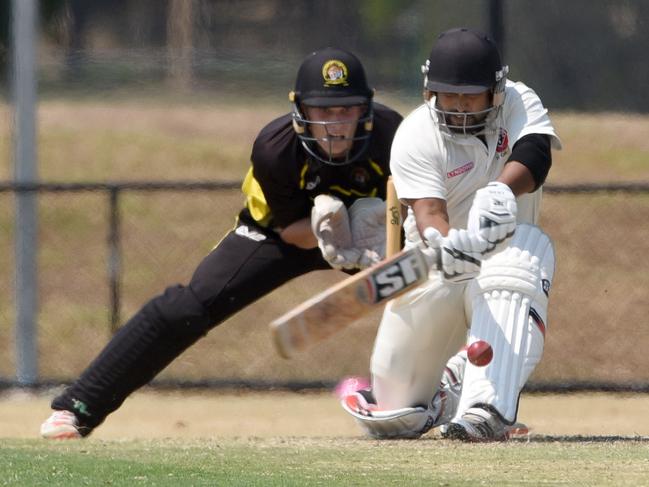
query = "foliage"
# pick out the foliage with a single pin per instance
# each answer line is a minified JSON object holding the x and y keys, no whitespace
{"x":49,"y":10}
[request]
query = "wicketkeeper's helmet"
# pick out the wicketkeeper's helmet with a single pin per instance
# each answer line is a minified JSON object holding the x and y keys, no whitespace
{"x":327,"y":78}
{"x":465,"y":61}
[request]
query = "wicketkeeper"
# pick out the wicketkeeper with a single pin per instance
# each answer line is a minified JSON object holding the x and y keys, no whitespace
{"x":314,"y":200}
{"x":469,"y":163}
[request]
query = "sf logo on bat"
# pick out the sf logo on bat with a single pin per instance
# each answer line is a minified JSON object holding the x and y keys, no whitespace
{"x":395,"y":277}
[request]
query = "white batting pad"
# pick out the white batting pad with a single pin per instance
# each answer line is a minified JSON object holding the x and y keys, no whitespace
{"x":509,"y":310}
{"x":395,"y":424}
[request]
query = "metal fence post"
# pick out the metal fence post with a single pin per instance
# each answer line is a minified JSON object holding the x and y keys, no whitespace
{"x":24,"y":93}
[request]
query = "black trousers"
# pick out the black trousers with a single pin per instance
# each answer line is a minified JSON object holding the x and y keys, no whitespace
{"x":246,"y":265}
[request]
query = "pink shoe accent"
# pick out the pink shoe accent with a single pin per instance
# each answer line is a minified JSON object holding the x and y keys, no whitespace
{"x":356,"y":403}
{"x":349,"y":385}
{"x":61,"y":425}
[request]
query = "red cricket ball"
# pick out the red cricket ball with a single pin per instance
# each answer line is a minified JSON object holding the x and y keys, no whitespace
{"x":479,"y":353}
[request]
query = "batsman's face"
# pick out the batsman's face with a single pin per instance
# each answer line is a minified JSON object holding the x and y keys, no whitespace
{"x":464,"y":103}
{"x":334,"y":127}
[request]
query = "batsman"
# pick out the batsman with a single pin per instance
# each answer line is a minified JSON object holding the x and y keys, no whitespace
{"x":469,"y":163}
{"x":314,"y":199}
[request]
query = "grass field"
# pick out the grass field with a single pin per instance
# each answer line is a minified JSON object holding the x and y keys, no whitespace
{"x":319,"y":461}
{"x":234,"y":438}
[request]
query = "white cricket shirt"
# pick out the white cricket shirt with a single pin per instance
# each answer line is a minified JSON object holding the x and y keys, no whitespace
{"x":427,"y":162}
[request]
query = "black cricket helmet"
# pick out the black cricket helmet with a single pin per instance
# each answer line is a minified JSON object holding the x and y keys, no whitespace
{"x":465,"y":61}
{"x":331,"y":77}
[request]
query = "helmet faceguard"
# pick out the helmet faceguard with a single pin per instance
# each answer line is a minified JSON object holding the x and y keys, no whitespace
{"x":472,"y":123}
{"x":465,"y":62}
{"x":332,"y":78}
{"x":321,"y":148}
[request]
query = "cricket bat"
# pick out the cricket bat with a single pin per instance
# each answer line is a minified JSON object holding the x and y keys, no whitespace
{"x":342,"y":304}
{"x":393,"y":219}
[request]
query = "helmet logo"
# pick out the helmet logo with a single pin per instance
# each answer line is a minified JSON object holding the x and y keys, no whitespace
{"x":334,"y":73}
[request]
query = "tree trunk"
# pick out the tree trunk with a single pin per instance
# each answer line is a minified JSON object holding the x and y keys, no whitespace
{"x":179,"y":43}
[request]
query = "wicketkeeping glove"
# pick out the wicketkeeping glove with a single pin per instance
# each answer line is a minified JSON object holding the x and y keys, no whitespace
{"x":493,"y":215}
{"x":367,"y":220}
{"x":330,"y":225}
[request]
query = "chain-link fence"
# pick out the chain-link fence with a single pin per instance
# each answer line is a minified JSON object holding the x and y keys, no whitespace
{"x":597,"y":313}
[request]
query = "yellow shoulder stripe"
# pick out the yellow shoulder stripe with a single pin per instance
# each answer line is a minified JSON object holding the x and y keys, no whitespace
{"x":255,"y":199}
{"x":376,"y":167}
{"x":302,"y":174}
{"x":352,"y":192}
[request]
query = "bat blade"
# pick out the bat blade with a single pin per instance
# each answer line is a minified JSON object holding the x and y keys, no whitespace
{"x":340,"y":305}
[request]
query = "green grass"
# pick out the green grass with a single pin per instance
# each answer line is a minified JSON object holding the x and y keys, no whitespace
{"x":299,"y":461}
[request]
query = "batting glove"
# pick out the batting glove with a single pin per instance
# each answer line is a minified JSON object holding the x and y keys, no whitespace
{"x":493,"y":215}
{"x":460,"y":253}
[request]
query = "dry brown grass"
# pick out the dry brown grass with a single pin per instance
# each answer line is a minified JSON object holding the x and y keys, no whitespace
{"x":228,"y":414}
{"x":605,"y":147}
{"x":83,"y":140}
{"x":598,"y":306}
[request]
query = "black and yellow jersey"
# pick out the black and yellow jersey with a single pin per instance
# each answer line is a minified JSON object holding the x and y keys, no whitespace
{"x":283,"y":180}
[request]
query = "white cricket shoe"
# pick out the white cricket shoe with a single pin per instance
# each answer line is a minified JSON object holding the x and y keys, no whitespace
{"x":478,"y":424}
{"x":61,"y":425}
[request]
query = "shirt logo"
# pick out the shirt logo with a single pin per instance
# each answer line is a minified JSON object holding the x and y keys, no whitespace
{"x":334,"y":73}
{"x":312,"y":184}
{"x":360,"y":177}
{"x":503,"y":142}
{"x":460,"y":170}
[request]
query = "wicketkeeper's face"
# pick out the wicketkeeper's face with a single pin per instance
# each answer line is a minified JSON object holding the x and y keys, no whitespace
{"x":334,"y":127}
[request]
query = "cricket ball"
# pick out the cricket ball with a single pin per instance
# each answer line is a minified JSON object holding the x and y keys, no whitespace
{"x":479,"y":353}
